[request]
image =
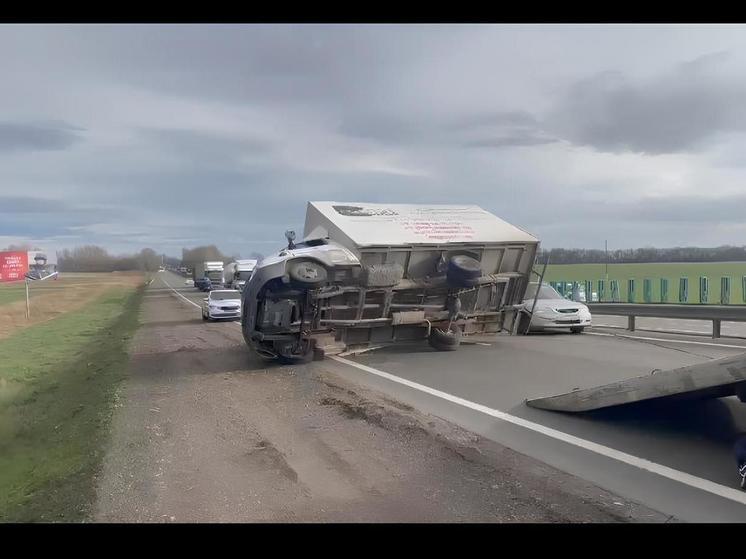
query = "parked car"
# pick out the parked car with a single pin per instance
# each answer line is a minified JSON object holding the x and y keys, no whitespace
{"x":189,"y":282}
{"x":552,"y":311}
{"x":203,"y":284}
{"x":221,"y":303}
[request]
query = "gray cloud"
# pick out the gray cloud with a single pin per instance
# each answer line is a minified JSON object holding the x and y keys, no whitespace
{"x":482,"y":130}
{"x":29,"y":204}
{"x":37,"y":136}
{"x":674,"y":112}
{"x":221,"y":134}
{"x":205,"y":148}
{"x":519,"y":139}
{"x":688,"y":209}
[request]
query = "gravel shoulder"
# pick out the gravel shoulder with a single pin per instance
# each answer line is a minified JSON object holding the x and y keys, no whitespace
{"x":206,"y":432}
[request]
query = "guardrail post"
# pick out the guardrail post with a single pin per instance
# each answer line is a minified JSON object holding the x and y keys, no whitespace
{"x":631,"y":323}
{"x":716,"y":328}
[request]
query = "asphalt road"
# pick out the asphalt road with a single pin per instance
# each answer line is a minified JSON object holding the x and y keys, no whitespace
{"x":206,"y":432}
{"x":690,"y":443}
{"x":693,"y":439}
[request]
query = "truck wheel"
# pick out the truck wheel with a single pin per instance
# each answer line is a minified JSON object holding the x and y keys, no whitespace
{"x":306,"y":274}
{"x":464,"y":266}
{"x":443,"y":340}
{"x":463,"y":271}
{"x":577,"y":329}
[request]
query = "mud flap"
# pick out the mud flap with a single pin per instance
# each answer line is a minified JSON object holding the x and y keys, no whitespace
{"x":713,"y":379}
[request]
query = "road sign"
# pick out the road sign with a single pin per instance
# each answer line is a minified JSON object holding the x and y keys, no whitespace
{"x":13,"y":265}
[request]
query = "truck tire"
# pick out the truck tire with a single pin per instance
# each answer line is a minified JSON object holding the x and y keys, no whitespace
{"x":306,"y":274}
{"x":445,"y":340}
{"x":463,"y":271}
{"x":464,"y":266}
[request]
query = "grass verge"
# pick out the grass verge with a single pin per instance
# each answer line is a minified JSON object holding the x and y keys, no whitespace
{"x":10,"y":293}
{"x":57,"y":387}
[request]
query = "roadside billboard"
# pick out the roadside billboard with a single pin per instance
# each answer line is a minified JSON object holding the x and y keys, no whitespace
{"x":13,"y":265}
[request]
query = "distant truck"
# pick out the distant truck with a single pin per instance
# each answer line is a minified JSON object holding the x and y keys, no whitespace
{"x":370,"y":274}
{"x":212,"y":270}
{"x":236,"y":274}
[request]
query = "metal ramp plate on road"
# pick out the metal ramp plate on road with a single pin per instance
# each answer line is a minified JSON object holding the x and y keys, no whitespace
{"x":713,"y":379}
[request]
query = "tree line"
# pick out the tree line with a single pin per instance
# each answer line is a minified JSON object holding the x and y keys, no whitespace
{"x":642,"y":255}
{"x":93,"y":258}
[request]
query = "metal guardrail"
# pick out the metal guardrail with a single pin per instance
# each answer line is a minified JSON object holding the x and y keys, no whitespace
{"x":714,"y":313}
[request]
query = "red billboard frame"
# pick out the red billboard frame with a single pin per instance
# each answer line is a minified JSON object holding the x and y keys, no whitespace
{"x":13,"y":266}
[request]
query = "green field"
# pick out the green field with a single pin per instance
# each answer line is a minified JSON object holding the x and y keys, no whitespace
{"x":673,"y":272}
{"x":11,"y":292}
{"x":57,"y":386}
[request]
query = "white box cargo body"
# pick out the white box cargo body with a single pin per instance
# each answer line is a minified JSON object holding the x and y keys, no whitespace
{"x":414,"y":236}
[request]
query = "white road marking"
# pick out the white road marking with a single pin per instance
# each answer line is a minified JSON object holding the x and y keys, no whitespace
{"x":180,"y":295}
{"x":641,"y":463}
{"x":667,"y":340}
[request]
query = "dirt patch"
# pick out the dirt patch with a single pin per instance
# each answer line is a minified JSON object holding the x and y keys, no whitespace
{"x":50,"y":299}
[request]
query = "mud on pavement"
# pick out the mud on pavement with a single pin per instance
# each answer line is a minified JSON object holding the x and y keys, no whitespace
{"x":205,"y":432}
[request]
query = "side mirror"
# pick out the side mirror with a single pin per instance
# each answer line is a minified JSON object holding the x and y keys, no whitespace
{"x":290,"y":236}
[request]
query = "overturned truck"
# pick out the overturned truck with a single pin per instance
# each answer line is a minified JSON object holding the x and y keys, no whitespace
{"x":375,"y":274}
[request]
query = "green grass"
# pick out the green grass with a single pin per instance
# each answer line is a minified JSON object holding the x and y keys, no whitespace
{"x":714,"y":271}
{"x":57,"y":385}
{"x":12,"y":292}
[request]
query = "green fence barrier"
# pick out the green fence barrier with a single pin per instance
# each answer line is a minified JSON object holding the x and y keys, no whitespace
{"x":614,"y":284}
{"x":743,"y":289}
{"x":683,"y":290}
{"x":704,"y":289}
{"x":647,"y":290}
{"x":656,"y":289}
{"x":724,"y":290}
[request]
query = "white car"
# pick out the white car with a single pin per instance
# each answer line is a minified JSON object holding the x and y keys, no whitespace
{"x":189,"y":283}
{"x":553,"y":311}
{"x":222,"y":303}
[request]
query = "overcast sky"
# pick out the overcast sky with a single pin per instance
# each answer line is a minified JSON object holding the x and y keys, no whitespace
{"x":173,"y":136}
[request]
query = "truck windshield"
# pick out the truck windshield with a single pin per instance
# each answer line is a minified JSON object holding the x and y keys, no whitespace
{"x":244,"y":275}
{"x":546,"y":292}
{"x":224,"y":295}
